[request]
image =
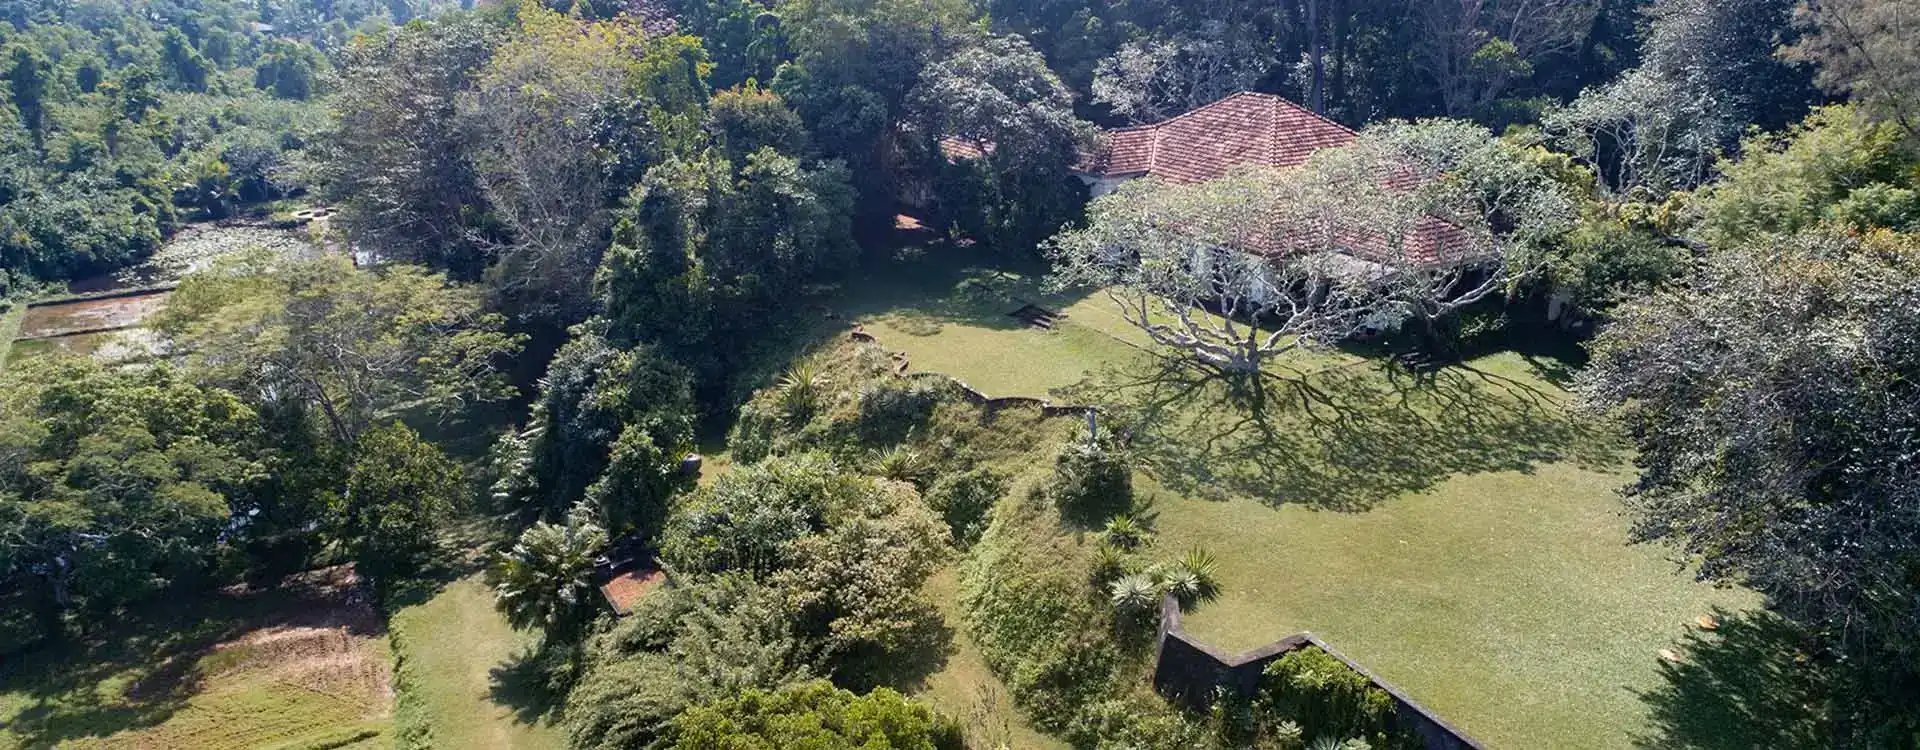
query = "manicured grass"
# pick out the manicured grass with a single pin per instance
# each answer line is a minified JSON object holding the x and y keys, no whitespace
{"x":454,"y":649}
{"x":968,"y":691}
{"x":280,"y":669}
{"x":1456,"y":531}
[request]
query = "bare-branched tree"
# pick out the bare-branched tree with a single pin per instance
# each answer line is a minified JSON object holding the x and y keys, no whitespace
{"x":1408,"y":223}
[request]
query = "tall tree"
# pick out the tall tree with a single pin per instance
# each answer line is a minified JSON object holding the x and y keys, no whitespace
{"x":395,"y":160}
{"x":1865,"y":49}
{"x":399,"y":491}
{"x":1708,"y":70}
{"x":1000,"y":99}
{"x":348,"y":347}
{"x":1407,"y":224}
{"x":542,"y":115}
{"x":1477,"y":49}
{"x":1773,"y":401}
{"x":113,"y":486}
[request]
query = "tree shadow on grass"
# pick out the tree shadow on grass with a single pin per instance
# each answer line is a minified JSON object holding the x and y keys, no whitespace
{"x":140,"y":671}
{"x":523,"y":684}
{"x":1749,"y":684}
{"x":1345,"y":438}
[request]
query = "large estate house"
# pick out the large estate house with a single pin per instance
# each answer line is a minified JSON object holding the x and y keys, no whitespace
{"x":1244,"y":129}
{"x":1205,"y":143}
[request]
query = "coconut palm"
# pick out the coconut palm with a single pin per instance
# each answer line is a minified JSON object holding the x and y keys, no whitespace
{"x":546,"y":580}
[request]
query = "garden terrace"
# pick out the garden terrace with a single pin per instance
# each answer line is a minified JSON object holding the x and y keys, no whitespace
{"x":1458,"y":531}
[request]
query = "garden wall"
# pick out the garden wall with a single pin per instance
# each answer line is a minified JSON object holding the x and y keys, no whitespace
{"x":1191,"y":672}
{"x":974,"y":396}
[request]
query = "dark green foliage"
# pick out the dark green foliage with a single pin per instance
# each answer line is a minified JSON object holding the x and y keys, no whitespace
{"x":889,"y":409}
{"x":610,"y":428}
{"x":1327,"y":699}
{"x":1772,"y":400}
{"x":1091,"y":482}
{"x":965,"y":499}
{"x":396,"y":163}
{"x":706,"y":250}
{"x":546,"y":580}
{"x":814,"y":714}
{"x":698,"y":643}
{"x":399,"y":490}
{"x":113,"y":487}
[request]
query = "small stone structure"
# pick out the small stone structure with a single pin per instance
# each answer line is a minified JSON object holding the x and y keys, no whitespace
{"x":1190,"y":672}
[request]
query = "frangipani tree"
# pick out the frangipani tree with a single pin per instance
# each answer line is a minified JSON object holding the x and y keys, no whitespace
{"x":1408,"y":222}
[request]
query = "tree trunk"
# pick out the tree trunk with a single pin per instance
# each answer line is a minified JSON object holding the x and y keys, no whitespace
{"x":1317,"y":98}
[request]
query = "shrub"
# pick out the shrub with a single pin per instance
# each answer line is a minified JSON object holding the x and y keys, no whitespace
{"x":815,"y":714}
{"x":1091,"y":483}
{"x":1328,"y":699}
{"x":965,"y":499}
{"x":890,"y":409}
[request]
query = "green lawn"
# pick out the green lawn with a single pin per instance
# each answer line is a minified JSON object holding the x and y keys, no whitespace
{"x":285,"y":668}
{"x":965,"y":689}
{"x":1457,"y":532}
{"x":454,"y":648}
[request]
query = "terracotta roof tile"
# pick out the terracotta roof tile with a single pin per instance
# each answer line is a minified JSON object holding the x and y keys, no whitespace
{"x":1245,"y":128}
{"x":1254,"y":128}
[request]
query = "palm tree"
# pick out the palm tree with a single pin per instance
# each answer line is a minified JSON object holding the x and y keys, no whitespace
{"x":546,"y":580}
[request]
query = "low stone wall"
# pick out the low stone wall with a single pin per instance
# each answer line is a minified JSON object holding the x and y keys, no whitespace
{"x":1192,"y":673}
{"x":973,"y":395}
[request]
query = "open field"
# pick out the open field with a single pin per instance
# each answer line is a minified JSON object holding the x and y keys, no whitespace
{"x":454,"y":647}
{"x":303,"y":664}
{"x":1456,"y":531}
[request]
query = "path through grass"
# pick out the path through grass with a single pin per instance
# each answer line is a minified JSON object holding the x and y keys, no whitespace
{"x":455,"y":647}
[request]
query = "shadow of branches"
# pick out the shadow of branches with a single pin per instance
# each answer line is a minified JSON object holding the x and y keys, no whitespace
{"x":1342,"y":439}
{"x":1749,"y":684}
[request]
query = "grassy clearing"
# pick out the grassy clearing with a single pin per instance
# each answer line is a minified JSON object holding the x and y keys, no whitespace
{"x":453,"y":648}
{"x":1457,"y":531}
{"x":304,"y":665}
{"x":966,"y":689}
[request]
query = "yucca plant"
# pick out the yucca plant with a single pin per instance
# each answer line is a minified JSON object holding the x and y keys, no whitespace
{"x":1193,"y":578}
{"x":1110,"y":563}
{"x":799,"y":391}
{"x":902,"y":464}
{"x":1135,"y":594}
{"x":1125,"y":532}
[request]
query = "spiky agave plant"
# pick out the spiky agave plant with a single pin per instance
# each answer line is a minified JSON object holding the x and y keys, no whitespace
{"x":1135,"y":594}
{"x":1110,"y":563}
{"x":799,"y":391}
{"x":902,"y":464}
{"x":1125,"y":532}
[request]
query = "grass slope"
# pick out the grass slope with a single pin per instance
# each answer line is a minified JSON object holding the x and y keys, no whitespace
{"x":294,"y":667}
{"x":452,"y":646}
{"x":1457,"y":532}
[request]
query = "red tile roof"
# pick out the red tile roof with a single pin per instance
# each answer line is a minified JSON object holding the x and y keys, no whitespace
{"x":1245,"y":128}
{"x":1263,"y":129}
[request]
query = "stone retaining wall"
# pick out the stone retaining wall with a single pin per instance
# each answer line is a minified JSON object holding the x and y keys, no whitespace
{"x":1191,"y":673}
{"x":973,"y":395}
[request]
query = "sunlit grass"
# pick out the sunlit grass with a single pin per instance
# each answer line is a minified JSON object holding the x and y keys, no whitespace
{"x":1458,"y":532}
